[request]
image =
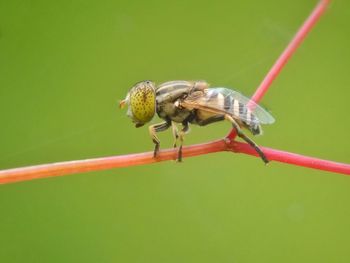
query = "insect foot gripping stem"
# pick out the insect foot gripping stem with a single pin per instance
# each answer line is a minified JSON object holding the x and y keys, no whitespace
{"x":179,"y":155}
{"x":152,"y":132}
{"x":153,"y":129}
{"x":156,"y":148}
{"x":235,"y":125}
{"x":179,"y":152}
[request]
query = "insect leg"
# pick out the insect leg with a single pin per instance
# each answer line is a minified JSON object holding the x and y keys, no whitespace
{"x":153,"y":129}
{"x":246,"y":138}
{"x":182,"y":133}
{"x":175,"y":133}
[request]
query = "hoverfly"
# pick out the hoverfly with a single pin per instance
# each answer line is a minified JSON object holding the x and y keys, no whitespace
{"x":193,"y":102}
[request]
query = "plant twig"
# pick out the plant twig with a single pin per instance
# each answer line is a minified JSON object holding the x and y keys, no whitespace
{"x":104,"y":163}
{"x":290,"y":49}
{"x":287,"y":53}
{"x":79,"y":166}
{"x":293,"y":158}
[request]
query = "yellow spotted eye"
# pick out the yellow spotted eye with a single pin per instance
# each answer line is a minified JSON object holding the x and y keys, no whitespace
{"x":142,"y":102}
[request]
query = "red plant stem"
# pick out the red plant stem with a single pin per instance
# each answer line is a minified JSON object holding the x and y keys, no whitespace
{"x":79,"y":166}
{"x":73,"y":167}
{"x":287,"y":53}
{"x":290,"y":50}
{"x":293,"y":158}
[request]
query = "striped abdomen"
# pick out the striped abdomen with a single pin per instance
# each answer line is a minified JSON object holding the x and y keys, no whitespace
{"x":225,"y":100}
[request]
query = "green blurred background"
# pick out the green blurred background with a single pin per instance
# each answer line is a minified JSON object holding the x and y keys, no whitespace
{"x":63,"y":67}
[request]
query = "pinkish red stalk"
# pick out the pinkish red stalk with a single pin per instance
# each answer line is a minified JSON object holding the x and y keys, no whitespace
{"x":227,"y":144}
{"x":80,"y":166}
{"x":290,"y":50}
{"x":287,"y":53}
{"x":293,"y":158}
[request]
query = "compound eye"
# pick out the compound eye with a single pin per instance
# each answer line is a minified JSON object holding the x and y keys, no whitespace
{"x":142,"y":102}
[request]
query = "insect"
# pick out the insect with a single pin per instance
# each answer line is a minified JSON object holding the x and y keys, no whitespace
{"x":193,"y":102}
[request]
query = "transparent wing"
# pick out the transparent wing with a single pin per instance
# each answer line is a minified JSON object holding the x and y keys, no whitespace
{"x":222,"y":100}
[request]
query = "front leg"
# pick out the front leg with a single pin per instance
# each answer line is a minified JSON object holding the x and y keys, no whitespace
{"x":153,"y":129}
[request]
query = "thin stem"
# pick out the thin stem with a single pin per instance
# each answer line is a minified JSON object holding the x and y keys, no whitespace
{"x":293,"y":158}
{"x":290,"y":49}
{"x":287,"y":53}
{"x":80,"y":166}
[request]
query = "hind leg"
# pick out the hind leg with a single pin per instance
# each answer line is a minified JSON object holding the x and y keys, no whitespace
{"x":246,"y":138}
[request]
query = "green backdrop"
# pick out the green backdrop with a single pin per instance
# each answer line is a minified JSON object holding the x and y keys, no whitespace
{"x":65,"y":64}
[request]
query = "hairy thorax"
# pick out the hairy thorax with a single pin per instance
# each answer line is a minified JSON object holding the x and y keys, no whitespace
{"x":168,"y":111}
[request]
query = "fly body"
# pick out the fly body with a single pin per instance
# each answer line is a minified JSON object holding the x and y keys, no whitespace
{"x":193,"y":102}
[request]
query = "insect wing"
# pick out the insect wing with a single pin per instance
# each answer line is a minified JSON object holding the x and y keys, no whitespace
{"x":223,"y":100}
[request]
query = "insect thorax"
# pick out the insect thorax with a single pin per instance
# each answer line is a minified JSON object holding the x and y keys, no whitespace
{"x":167,"y":94}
